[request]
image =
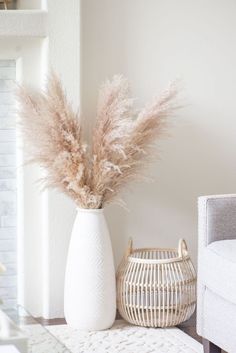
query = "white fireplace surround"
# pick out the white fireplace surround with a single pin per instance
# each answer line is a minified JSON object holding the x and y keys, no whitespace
{"x":27,"y":37}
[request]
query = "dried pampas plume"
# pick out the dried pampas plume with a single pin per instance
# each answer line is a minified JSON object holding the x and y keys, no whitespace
{"x":122,"y":139}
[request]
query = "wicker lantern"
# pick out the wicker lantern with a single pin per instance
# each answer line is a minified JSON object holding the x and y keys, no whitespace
{"x":156,"y":287}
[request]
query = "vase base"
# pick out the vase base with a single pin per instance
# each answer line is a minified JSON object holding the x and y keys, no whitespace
{"x":93,"y":327}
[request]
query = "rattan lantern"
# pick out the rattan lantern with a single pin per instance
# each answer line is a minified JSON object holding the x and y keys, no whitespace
{"x":156,"y":287}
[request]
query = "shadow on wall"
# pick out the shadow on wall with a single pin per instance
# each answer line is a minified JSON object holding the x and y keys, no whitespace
{"x":194,"y":162}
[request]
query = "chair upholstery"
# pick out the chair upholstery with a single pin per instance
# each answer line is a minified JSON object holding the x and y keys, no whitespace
{"x":219,"y":263}
{"x":216,"y":316}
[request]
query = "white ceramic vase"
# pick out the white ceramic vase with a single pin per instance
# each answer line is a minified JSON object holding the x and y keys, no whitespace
{"x":90,"y":293}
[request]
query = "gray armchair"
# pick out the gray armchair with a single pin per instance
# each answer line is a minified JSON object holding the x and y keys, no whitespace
{"x":216,"y":313}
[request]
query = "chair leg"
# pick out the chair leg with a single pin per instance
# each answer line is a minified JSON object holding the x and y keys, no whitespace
{"x":210,"y":347}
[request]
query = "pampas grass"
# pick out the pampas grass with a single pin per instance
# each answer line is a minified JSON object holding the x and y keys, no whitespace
{"x":122,"y":141}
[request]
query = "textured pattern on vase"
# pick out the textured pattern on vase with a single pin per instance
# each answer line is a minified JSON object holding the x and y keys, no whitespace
{"x":90,"y":276}
{"x":125,"y":338}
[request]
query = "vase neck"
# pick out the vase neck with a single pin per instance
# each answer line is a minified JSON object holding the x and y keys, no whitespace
{"x":90,"y":210}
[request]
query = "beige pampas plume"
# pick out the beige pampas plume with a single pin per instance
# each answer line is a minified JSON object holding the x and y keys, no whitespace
{"x":121,"y":144}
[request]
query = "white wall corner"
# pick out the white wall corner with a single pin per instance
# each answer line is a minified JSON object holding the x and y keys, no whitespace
{"x":64,"y":58}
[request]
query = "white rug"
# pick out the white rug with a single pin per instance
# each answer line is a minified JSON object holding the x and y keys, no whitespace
{"x":126,"y":338}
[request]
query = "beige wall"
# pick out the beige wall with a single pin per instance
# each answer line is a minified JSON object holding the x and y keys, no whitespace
{"x":152,"y":42}
{"x":30,"y":4}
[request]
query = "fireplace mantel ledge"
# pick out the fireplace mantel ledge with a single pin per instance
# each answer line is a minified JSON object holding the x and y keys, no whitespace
{"x":23,"y":23}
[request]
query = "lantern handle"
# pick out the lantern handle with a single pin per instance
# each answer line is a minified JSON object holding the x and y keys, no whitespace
{"x":182,"y":248}
{"x":129,"y":247}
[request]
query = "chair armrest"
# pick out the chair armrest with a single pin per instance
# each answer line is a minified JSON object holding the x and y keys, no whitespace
{"x":216,"y":218}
